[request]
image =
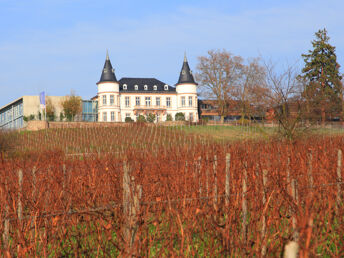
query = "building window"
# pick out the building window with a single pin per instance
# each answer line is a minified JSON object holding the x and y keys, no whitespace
{"x":104,"y":99}
{"x":145,"y":87}
{"x":112,"y":116}
{"x":148,"y":101}
{"x":155,"y":87}
{"x":183,"y":101}
{"x":104,"y":116}
{"x":137,"y":101}
{"x":166,"y":87}
{"x":168,"y":102}
{"x":157,"y":100}
{"x":124,"y":86}
{"x":191,"y":117}
{"x":127,"y":115}
{"x":157,"y":117}
{"x":127,"y":101}
{"x":136,"y":87}
{"x":112,"y":100}
{"x":190,"y":101}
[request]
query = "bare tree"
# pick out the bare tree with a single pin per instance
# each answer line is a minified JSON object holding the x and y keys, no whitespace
{"x":251,"y":93}
{"x":286,"y":99}
{"x":219,"y":74}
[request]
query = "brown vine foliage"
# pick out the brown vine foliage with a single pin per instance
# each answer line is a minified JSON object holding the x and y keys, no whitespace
{"x":73,"y":203}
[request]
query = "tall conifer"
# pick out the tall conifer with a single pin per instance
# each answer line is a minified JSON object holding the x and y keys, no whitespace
{"x":321,"y":71}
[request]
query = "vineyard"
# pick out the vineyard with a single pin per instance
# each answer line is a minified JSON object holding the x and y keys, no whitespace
{"x":157,"y":191}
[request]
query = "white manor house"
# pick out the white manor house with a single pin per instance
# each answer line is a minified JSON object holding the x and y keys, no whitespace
{"x":132,"y":97}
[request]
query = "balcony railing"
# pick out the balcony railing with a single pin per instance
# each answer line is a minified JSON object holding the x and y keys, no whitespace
{"x":151,"y":107}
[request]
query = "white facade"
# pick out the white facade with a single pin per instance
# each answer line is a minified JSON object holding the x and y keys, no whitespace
{"x":131,"y":105}
{"x":142,"y":96}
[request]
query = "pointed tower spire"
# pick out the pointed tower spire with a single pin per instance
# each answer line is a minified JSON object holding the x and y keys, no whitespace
{"x":108,"y":74}
{"x":186,"y":74}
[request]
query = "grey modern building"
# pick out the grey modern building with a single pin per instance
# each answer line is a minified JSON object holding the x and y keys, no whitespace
{"x":12,"y":115}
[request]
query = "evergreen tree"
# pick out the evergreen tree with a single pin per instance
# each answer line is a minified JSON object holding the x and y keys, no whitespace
{"x":321,"y":71}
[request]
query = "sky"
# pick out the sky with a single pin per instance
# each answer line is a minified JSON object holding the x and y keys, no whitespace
{"x":60,"y":45}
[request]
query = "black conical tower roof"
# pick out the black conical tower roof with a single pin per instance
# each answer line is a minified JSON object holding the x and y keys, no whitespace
{"x":186,"y":74}
{"x":108,"y":74}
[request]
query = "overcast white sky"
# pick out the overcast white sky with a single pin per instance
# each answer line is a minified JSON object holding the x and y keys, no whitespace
{"x":59,"y":45}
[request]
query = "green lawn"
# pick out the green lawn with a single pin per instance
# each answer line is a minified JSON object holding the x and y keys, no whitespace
{"x":256,"y":132}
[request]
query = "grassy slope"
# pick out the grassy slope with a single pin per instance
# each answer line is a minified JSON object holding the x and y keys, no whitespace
{"x":233,"y":133}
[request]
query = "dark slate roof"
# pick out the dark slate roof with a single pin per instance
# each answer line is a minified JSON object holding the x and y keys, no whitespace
{"x":141,"y":82}
{"x":186,"y":74}
{"x":108,"y":73}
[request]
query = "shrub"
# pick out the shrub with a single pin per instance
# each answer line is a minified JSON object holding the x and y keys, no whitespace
{"x":128,"y":120}
{"x":168,"y":117}
{"x":180,"y":116}
{"x":141,"y":119}
{"x":151,"y":118}
{"x":204,"y":120}
{"x":7,"y":140}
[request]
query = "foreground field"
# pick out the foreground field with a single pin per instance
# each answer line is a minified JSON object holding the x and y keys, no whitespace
{"x":156,"y":191}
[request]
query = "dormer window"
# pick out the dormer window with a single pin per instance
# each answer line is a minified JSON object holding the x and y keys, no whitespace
{"x":124,"y":86}
{"x":136,"y":87}
{"x":183,"y":72}
{"x":105,"y":71}
{"x":145,"y":87}
{"x":166,"y":87}
{"x":155,"y":87}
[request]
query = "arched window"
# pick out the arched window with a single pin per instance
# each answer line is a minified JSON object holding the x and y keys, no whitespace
{"x":166,"y":87}
{"x":145,"y":87}
{"x":136,"y":87}
{"x":155,"y":87}
{"x":124,"y":86}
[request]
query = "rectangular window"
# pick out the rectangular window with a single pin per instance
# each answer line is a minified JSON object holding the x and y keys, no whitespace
{"x":191,"y":117}
{"x":112,"y":100}
{"x":104,"y":116}
{"x":157,"y":117}
{"x":127,"y":101}
{"x":157,"y":100}
{"x":183,"y":101}
{"x":112,"y":116}
{"x":148,"y":101}
{"x":104,"y":99}
{"x":127,"y":114}
{"x":168,"y":102}
{"x":137,"y":101}
{"x":190,"y":101}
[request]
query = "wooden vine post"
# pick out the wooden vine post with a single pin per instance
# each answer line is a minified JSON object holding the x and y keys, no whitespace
{"x":20,"y":192}
{"x":6,"y":233}
{"x":295,"y":198}
{"x":131,"y":208}
{"x":215,"y":181}
{"x":339,"y":179}
{"x":228,"y":175}
{"x":263,"y":230}
{"x":244,"y":204}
